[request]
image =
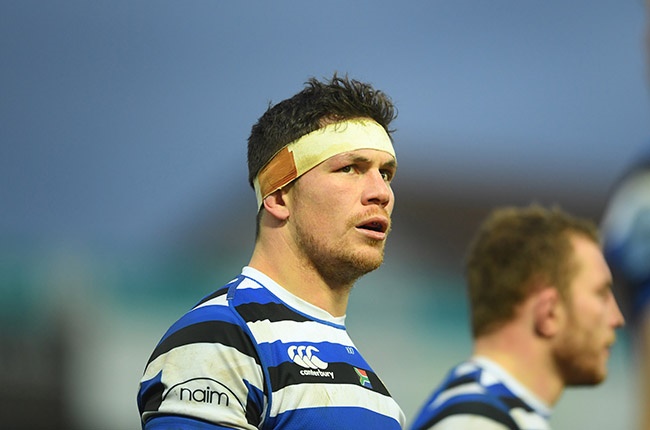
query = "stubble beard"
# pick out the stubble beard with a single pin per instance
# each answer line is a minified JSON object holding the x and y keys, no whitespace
{"x":578,"y":364}
{"x":340,"y":265}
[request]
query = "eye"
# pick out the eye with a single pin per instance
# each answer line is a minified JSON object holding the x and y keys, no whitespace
{"x":346,"y":169}
{"x":604,"y":292}
{"x":387,"y":175}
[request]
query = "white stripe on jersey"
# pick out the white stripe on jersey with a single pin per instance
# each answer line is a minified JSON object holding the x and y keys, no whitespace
{"x":469,"y":388}
{"x":529,"y":420}
{"x":294,"y":331}
{"x":220,"y":415}
{"x":207,"y":362}
{"x":468,"y":422}
{"x":221,"y":300}
{"x":256,"y":278}
{"x":225,"y":415}
{"x":465,"y":368}
{"x":301,"y":396}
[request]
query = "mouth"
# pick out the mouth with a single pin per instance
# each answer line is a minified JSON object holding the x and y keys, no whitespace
{"x":609,"y":345}
{"x":376,"y":226}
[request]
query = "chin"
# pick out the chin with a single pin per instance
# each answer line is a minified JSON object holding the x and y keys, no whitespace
{"x":368,"y":265}
{"x":375,"y":263}
{"x":587,"y":378}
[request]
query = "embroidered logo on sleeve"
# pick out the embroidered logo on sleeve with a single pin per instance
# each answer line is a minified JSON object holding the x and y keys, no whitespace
{"x":363,"y":377}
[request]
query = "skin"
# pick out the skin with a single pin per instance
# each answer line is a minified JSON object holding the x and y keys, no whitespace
{"x":566,"y":341}
{"x":644,"y":369}
{"x":582,"y":347}
{"x":321,"y":233}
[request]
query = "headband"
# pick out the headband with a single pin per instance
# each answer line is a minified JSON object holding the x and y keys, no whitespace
{"x":310,"y":150}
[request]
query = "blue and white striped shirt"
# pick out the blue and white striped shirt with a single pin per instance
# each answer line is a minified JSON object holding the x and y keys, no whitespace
{"x":480,"y":395}
{"x":254,"y":356}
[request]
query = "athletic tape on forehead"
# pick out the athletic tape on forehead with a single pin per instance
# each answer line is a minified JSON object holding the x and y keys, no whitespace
{"x":312,"y":149}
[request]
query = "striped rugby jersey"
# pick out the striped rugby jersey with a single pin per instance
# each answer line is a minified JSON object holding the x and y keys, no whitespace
{"x":254,"y":356}
{"x":480,"y":395}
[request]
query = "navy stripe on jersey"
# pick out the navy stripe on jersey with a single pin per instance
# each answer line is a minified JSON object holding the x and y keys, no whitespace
{"x":208,"y":332}
{"x":473,"y":408}
{"x":466,"y":379}
{"x":255,"y":398}
{"x":154,"y":389}
{"x":272,"y":312}
{"x":203,"y":314}
{"x":276,"y":353}
{"x":335,"y":417}
{"x":515,"y":402}
{"x":164,"y":422}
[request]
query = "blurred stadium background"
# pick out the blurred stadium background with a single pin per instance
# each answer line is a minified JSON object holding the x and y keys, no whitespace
{"x":124,"y":199}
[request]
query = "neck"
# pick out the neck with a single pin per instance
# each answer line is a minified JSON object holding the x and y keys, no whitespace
{"x":518,"y":353}
{"x":286,"y":267}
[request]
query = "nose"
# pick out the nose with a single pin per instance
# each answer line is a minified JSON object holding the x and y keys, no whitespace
{"x":377,"y":189}
{"x":618,"y":320}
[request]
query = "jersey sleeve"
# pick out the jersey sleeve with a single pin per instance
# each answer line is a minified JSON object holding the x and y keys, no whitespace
{"x":205,"y":373}
{"x":174,"y":422}
{"x":472,"y":414}
{"x":468,"y":422}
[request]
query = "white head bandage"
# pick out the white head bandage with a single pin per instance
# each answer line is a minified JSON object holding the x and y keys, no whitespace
{"x":312,"y":149}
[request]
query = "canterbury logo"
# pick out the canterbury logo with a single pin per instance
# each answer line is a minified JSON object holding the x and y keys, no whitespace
{"x":304,"y":356}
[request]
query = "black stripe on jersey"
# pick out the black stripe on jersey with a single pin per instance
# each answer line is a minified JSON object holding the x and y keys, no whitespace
{"x":467,"y":379}
{"x":516,"y":402}
{"x":473,"y":408}
{"x":289,"y":373}
{"x":273,"y":312}
{"x":153,"y":398}
{"x":253,"y":402}
{"x":208,"y":332}
{"x":219,"y":292}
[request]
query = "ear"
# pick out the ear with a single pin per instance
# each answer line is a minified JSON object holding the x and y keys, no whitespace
{"x":547,"y":312}
{"x":275,"y":205}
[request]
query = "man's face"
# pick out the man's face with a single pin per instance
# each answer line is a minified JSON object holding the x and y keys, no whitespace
{"x":592,"y":315}
{"x":340,"y":213}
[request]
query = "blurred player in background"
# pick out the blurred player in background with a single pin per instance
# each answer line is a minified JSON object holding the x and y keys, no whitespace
{"x":626,"y":234}
{"x":543,"y":317}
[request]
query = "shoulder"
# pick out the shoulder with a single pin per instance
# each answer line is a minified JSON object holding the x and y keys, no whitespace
{"x":205,"y":367}
{"x":467,"y":422}
{"x":210,"y":321}
{"x":464,"y":400}
{"x":467,"y":409}
{"x":476,"y":395}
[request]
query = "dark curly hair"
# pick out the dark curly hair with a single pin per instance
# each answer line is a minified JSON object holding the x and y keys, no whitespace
{"x":337,"y":99}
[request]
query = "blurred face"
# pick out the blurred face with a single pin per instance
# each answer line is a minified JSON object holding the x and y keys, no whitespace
{"x":340,"y":213}
{"x":592,"y":315}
